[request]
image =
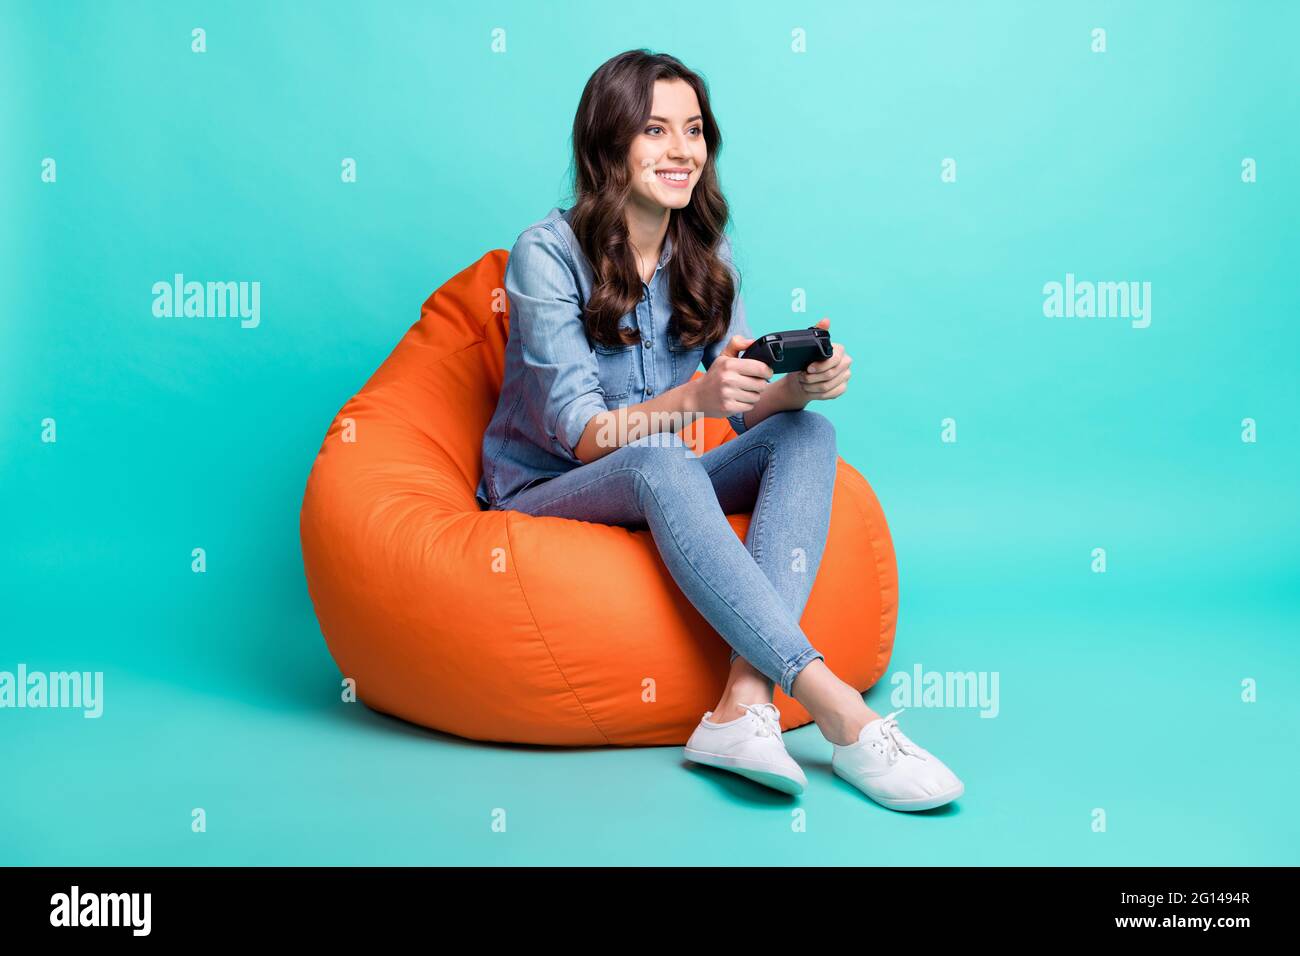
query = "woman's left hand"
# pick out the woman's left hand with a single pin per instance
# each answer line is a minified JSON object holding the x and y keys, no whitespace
{"x":825,"y":379}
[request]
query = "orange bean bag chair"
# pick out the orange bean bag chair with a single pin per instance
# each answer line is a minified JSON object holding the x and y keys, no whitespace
{"x":489,"y":624}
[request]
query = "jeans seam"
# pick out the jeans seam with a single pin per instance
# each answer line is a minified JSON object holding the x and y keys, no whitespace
{"x":583,"y":487}
{"x":772,"y":650}
{"x":758,"y":510}
{"x":794,"y":668}
{"x":786,"y":665}
{"x":764,"y":486}
{"x":766,"y":490}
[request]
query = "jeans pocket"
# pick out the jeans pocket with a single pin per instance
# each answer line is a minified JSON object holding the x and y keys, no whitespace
{"x":616,"y":368}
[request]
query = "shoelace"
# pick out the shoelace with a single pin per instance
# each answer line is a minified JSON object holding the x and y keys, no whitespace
{"x":896,"y":740}
{"x":769,"y":718}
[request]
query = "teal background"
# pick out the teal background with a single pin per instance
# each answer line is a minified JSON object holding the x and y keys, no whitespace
{"x":1118,"y":690}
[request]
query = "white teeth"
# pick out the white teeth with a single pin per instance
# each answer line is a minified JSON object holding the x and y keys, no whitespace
{"x":676,"y":176}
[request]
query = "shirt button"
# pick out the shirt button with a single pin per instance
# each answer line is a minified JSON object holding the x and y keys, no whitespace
{"x":649,"y":343}
{"x":647,"y":391}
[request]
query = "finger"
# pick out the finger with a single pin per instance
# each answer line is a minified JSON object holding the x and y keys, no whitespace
{"x":754,"y":368}
{"x":736,"y":345}
{"x":829,"y":382}
{"x":838,"y":358}
{"x":839,"y":383}
{"x":821,"y":371}
{"x":746,"y":397}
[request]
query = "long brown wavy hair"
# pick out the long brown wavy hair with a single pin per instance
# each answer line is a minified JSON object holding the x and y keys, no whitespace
{"x":613,"y":111}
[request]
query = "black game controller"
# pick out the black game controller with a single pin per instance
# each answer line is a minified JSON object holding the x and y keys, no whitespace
{"x":791,"y":351}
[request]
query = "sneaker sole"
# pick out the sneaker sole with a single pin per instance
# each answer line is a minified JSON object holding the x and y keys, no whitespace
{"x":913,"y":803}
{"x":759,"y":773}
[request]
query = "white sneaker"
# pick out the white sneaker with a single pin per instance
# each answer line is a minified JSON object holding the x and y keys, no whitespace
{"x":750,"y":745}
{"x":892,"y":770}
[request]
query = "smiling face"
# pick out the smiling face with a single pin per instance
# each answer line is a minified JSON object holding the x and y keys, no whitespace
{"x":666,"y":158}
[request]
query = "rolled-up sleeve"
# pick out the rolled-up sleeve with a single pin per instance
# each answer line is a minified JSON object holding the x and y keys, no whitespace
{"x":739,"y":326}
{"x":545,"y":312}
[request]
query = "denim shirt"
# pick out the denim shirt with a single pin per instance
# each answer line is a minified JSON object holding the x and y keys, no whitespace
{"x":556,"y":378}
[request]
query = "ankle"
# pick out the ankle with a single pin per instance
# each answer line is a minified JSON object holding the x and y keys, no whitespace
{"x":729,"y":708}
{"x":841,"y":724}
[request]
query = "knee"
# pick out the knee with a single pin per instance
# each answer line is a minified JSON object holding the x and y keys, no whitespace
{"x":807,"y":426}
{"x":663,"y":458}
{"x":817,"y":425}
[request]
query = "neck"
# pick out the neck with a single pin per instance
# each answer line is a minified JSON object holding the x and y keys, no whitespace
{"x":646,"y":229}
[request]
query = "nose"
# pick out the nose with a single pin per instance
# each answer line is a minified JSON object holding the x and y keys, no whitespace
{"x":677,"y":148}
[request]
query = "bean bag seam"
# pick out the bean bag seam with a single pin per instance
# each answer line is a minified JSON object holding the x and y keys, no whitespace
{"x":510,"y":519}
{"x":645,"y":484}
{"x":372,"y":387}
{"x":878,"y":671}
{"x":374,"y":391}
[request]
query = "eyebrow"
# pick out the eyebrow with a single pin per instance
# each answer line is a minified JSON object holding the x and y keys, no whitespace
{"x":688,"y":119}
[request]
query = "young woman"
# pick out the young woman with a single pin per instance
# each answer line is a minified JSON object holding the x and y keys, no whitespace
{"x":614,"y":304}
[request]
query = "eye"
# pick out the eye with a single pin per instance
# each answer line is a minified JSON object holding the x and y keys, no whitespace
{"x":697,"y":129}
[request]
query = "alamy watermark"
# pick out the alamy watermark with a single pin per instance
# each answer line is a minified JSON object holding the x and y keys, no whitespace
{"x":83,"y":690}
{"x":213,"y":300}
{"x":922,"y":688}
{"x":76,"y":908}
{"x":1098,"y":300}
{"x":615,"y":430}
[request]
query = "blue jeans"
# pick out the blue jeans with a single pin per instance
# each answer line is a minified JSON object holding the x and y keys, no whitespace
{"x":753,"y":594}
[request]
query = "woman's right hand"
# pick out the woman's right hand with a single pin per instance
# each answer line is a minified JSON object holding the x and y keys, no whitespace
{"x":731,"y":384}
